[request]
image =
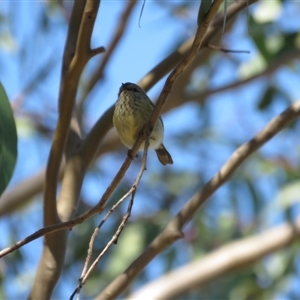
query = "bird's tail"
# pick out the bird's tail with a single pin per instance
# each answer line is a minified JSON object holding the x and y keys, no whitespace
{"x":163,"y":155}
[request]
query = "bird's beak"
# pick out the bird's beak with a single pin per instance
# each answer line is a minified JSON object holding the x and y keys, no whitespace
{"x":122,"y":88}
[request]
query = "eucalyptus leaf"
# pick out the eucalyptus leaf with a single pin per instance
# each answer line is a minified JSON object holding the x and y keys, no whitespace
{"x":8,"y":141}
{"x":204,"y":8}
{"x":267,"y":98}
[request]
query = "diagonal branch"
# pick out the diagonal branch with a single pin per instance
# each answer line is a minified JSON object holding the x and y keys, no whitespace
{"x":267,"y":72}
{"x":237,"y":254}
{"x":164,"y":67}
{"x":98,"y":208}
{"x":172,"y":231}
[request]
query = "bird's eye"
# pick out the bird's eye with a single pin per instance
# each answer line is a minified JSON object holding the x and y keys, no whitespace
{"x":135,"y":89}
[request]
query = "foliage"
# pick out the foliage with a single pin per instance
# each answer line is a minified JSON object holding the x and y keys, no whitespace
{"x":8,"y":141}
{"x":221,"y":101}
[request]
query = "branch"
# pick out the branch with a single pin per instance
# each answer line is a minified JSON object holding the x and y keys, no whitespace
{"x":76,"y":55}
{"x":172,"y":231}
{"x":98,"y":73}
{"x":35,"y":185}
{"x":228,"y":258}
{"x":225,"y":50}
{"x":268,"y":71}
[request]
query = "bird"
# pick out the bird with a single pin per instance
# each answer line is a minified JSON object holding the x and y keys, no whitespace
{"x":132,"y":111}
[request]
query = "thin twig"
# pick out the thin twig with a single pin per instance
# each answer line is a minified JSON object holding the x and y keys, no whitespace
{"x":220,"y":48}
{"x":115,"y":238}
{"x":97,"y":229}
{"x":267,"y":72}
{"x":141,"y":13}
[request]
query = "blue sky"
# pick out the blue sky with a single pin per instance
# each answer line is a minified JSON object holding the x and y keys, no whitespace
{"x":233,"y":115}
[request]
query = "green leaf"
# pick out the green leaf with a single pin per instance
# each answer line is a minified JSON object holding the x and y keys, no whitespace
{"x":259,"y":38}
{"x":8,"y":141}
{"x":267,"y":98}
{"x":204,"y":8}
{"x":289,"y":44}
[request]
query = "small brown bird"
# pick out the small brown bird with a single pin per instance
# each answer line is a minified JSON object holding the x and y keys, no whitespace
{"x":132,"y":111}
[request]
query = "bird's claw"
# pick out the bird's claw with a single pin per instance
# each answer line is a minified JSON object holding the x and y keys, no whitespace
{"x":129,"y":153}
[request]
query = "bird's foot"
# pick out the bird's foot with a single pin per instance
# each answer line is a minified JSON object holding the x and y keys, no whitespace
{"x":129,"y":153}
